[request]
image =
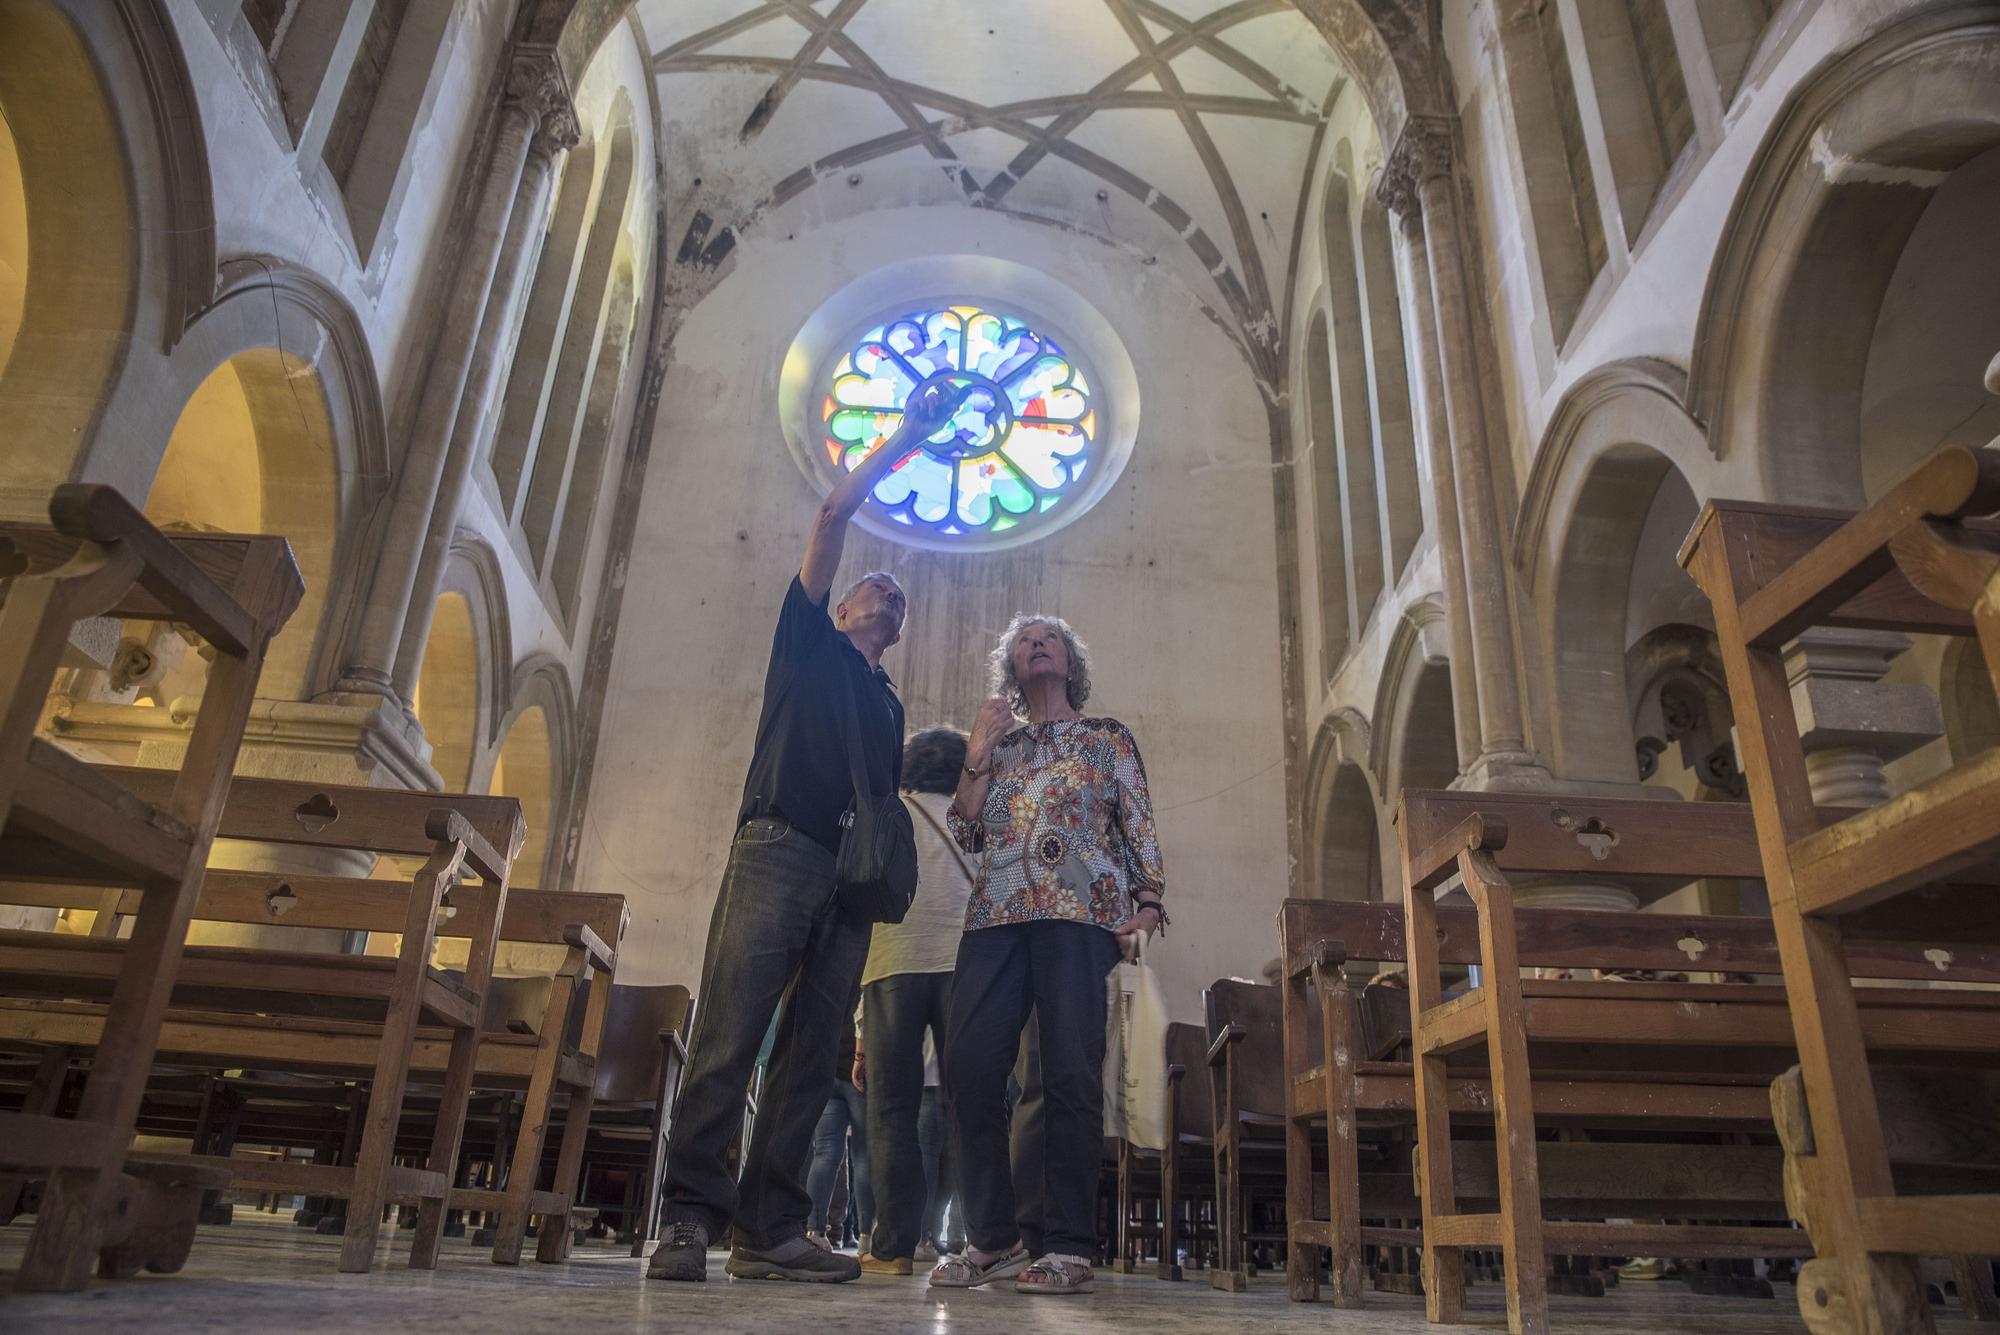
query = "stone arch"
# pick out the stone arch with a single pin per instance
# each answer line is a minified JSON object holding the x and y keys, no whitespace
{"x":1815,"y":238}
{"x":1619,"y":445}
{"x":320,"y":428}
{"x":1965,"y":694}
{"x":1343,"y":825}
{"x":462,"y":681}
{"x":113,"y":221}
{"x":1681,"y":715}
{"x":1415,"y":743}
{"x":1385,"y":47}
{"x":530,"y":761}
{"x":1353,"y":424}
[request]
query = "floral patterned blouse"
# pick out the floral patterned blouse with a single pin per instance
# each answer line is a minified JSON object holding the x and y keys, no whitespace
{"x":1067,"y":828}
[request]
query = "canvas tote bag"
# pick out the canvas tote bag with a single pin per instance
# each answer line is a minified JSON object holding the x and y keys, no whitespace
{"x":1135,"y":1054}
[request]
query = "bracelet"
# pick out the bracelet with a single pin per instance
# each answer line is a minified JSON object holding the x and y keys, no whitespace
{"x":972,"y":773}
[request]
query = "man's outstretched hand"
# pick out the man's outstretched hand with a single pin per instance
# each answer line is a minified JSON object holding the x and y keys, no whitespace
{"x":931,"y":405}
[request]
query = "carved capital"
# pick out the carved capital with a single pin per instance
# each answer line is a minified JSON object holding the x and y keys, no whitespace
{"x":1396,"y":189}
{"x":536,"y":83}
{"x":1422,"y":151}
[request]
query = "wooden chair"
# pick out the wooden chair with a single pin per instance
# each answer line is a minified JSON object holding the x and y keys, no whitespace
{"x":1917,"y":560}
{"x":1686,"y":1048}
{"x":1153,"y":1176}
{"x":1246,"y":1071}
{"x":638,"y":1077}
{"x":60,"y":818}
{"x":289,"y":1009}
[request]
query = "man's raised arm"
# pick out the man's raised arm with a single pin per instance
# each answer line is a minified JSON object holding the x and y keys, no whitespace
{"x":927,"y":409}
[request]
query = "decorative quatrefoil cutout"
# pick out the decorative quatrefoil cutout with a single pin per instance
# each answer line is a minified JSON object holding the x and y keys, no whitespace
{"x":281,"y":900}
{"x":1597,"y":837}
{"x":316,"y":813}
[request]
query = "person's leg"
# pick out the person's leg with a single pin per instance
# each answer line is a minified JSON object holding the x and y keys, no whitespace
{"x":930,"y":1137}
{"x":989,"y":1004}
{"x":892,"y":1018}
{"x":827,"y":1145}
{"x":774,"y":1202}
{"x":860,"y":1182}
{"x":756,"y":939}
{"x":1025,"y":1138}
{"x":1070,"y":962}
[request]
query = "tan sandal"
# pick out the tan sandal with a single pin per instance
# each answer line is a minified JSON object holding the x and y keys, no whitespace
{"x":962,"y":1272}
{"x":1057,"y":1274}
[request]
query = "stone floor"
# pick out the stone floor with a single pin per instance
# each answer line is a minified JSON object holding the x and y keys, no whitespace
{"x":262,"y":1274}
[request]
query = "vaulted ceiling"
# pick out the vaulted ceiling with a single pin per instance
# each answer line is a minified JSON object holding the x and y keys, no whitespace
{"x":1206,"y":114}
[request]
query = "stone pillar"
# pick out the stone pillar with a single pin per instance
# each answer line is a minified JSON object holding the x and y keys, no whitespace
{"x":471,"y":432}
{"x":1851,"y":722}
{"x":370,"y":657}
{"x":1420,"y":169}
{"x":1397,"y":194}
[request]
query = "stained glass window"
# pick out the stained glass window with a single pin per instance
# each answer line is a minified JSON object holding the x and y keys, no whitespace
{"x":1019,"y":445}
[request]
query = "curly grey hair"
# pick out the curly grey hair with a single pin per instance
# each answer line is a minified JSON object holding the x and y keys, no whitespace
{"x":1001,"y":662}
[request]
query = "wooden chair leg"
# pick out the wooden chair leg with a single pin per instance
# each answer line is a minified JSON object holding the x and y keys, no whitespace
{"x":556,"y":1236}
{"x":447,"y":1138}
{"x":1170,"y":1203}
{"x":510,"y":1230}
{"x":1228,"y":1273}
{"x":648,"y":1216}
{"x":1301,"y":1257}
{"x":1513,"y":1099}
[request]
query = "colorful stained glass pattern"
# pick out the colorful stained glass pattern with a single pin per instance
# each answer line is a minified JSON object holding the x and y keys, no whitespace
{"x":1019,"y":446}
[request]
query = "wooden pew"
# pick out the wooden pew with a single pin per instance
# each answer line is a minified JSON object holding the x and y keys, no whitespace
{"x":557,"y":1057}
{"x":1169,"y":1176}
{"x":59,"y":818}
{"x":1919,"y":560}
{"x":1247,"y":1081}
{"x":1698,"y":1041}
{"x":272,"y":1008}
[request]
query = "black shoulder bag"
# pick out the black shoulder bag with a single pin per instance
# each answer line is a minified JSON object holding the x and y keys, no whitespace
{"x":875,"y":872}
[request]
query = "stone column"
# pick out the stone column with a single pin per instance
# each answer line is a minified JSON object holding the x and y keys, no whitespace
{"x":1422,"y":164}
{"x":492,"y":354}
{"x":1852,"y":722}
{"x":371,"y":656}
{"x":1397,"y":192}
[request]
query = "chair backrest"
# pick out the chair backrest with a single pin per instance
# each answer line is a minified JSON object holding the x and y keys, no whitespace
{"x":1187,"y":1048}
{"x":515,"y":1005}
{"x":1260,"y":1057}
{"x":631,"y":1055}
{"x":1670,"y":942}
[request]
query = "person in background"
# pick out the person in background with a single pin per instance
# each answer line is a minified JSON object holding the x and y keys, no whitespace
{"x":1059,"y":816}
{"x":842,"y":1133}
{"x":905,"y":998}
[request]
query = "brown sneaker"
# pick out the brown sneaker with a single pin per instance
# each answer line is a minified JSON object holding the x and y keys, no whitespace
{"x":886,"y":1265}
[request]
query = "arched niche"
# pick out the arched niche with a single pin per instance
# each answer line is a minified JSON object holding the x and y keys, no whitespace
{"x":462,"y":677}
{"x":1415,"y":744}
{"x":524,"y":769}
{"x":1796,"y":299}
{"x":1607,"y":505}
{"x":252,"y":452}
{"x":1343,"y":829}
{"x":1328,"y":509}
{"x":530,"y":763}
{"x":67,"y":239}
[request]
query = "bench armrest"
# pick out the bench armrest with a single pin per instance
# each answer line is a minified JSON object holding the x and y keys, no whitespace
{"x":444,"y":825}
{"x":600,"y":956}
{"x":1231,"y":1033}
{"x":1324,"y":954}
{"x":1432,"y":866}
{"x":99,"y":514}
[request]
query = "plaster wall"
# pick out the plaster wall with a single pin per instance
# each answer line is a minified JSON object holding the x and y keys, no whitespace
{"x":1170,"y":578}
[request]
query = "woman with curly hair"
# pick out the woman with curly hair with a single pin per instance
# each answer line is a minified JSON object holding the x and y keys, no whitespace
{"x":1068,"y":875}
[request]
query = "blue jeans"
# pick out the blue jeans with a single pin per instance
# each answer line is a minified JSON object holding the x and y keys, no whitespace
{"x":896,"y":1011}
{"x":842,"y":1130}
{"x":776,"y":934}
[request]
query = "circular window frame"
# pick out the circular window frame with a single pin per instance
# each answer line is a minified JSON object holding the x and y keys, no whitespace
{"x":936,"y":282}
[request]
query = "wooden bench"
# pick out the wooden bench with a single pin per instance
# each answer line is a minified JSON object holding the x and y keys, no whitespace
{"x":1171,"y":1175}
{"x":281,"y":1009}
{"x":557,"y":1055}
{"x":59,"y":818}
{"x":1919,"y":560}
{"x":1685,"y":1047}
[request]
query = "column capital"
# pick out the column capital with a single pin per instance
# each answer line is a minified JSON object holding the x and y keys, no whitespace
{"x":535,"y":82}
{"x":1422,"y":151}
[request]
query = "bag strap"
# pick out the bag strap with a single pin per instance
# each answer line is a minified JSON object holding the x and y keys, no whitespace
{"x":949,"y":842}
{"x":857,"y":770}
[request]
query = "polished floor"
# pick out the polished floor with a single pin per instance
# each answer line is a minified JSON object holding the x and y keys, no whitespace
{"x":262,"y":1274}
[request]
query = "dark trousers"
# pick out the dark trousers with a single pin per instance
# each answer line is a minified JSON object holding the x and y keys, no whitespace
{"x":895,"y":1012}
{"x":1024,"y":1141}
{"x":1057,"y":970}
{"x":776,"y":934}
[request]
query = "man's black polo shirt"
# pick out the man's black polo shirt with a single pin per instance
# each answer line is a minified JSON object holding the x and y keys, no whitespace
{"x":799,"y":769}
